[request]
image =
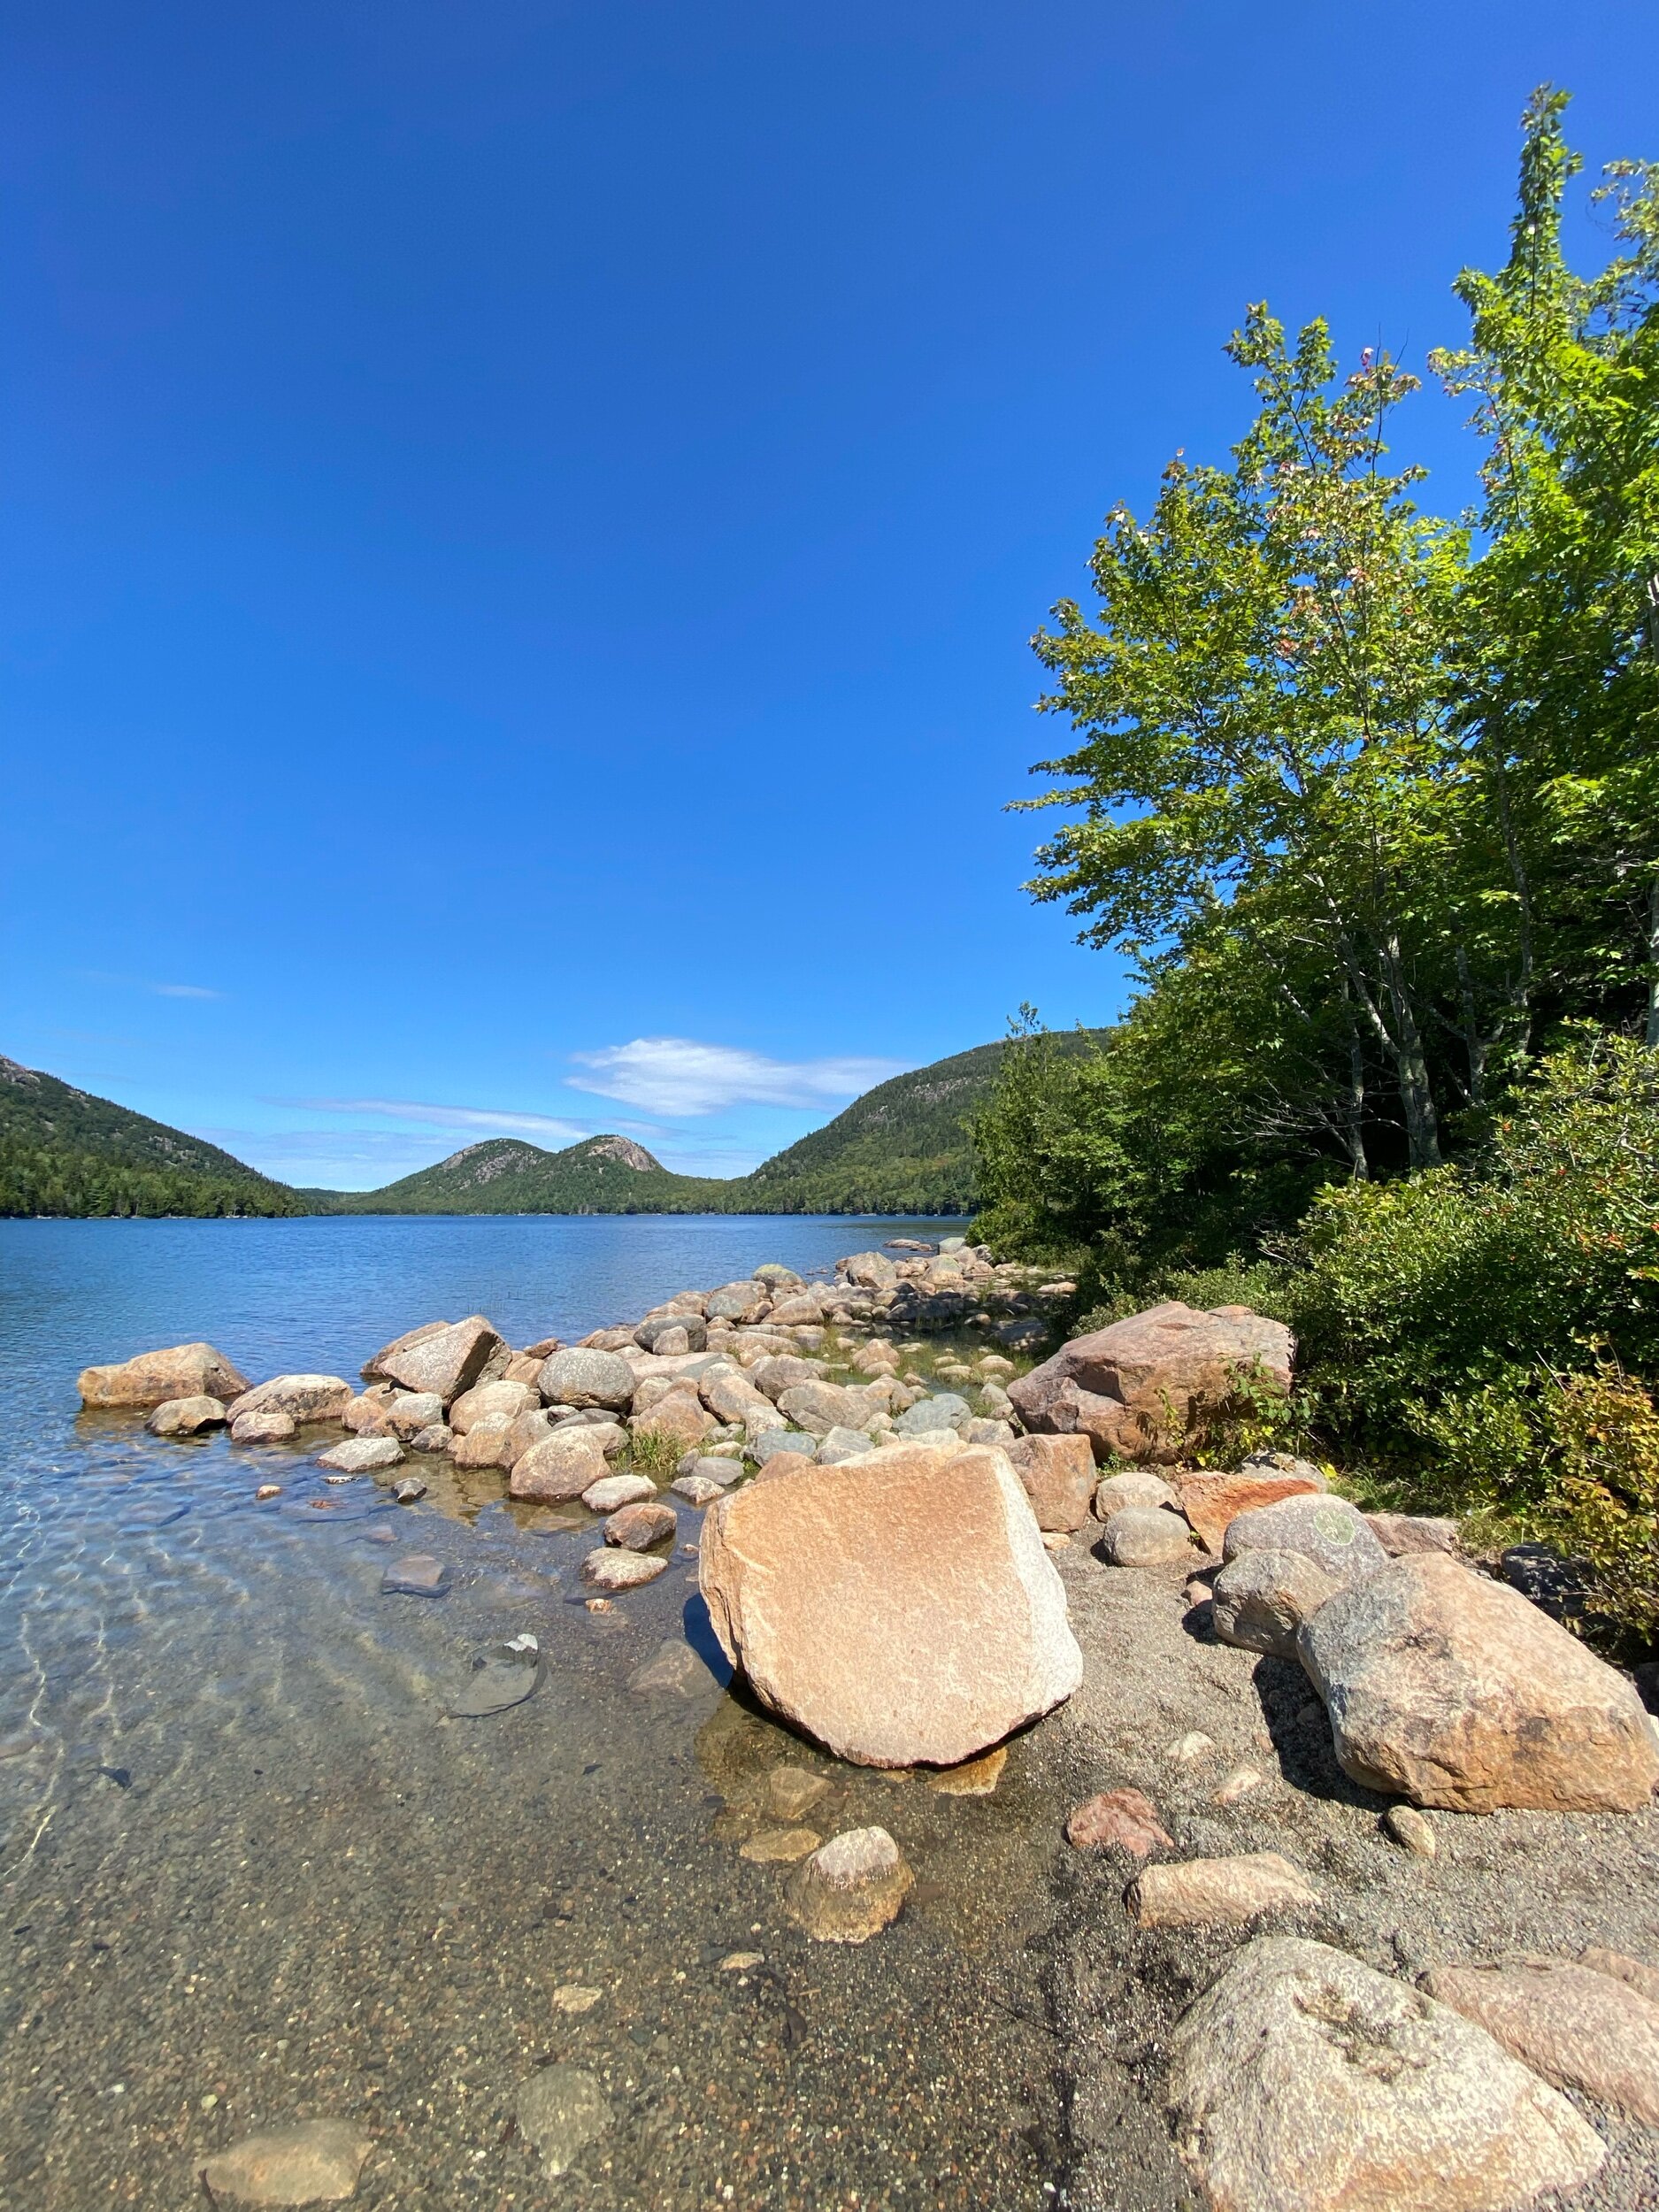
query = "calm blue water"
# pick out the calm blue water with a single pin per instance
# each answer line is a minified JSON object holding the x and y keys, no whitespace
{"x":252,"y":1870}
{"x":320,"y":1295}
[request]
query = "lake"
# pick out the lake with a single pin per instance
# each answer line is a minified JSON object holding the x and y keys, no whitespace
{"x":255,"y":1871}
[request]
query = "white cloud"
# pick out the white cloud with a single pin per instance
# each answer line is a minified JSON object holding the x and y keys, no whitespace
{"x":451,"y":1116}
{"x":184,"y":990}
{"x":677,"y":1075}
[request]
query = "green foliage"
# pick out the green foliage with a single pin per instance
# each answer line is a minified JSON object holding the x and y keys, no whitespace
{"x":65,"y":1152}
{"x":1601,"y":1502}
{"x":1374,"y":801}
{"x":1428,"y":1309}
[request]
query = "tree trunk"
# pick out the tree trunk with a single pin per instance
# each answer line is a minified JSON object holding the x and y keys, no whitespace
{"x":1417,"y":1096}
{"x":1652,"y":961}
{"x":1354,"y":1100}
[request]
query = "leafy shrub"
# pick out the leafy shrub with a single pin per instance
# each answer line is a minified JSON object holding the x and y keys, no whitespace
{"x":1431,"y":1312}
{"x":1601,"y":1501}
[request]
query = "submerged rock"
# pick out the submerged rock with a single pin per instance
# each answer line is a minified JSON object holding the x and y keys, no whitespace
{"x":151,"y":1378}
{"x":851,"y":1887}
{"x":363,"y":1455}
{"x":185,"y":1416}
{"x":561,"y":2111}
{"x":316,"y":2162}
{"x":305,"y":1399}
{"x":269,"y":1427}
{"x":612,"y":1569}
{"x":901,"y":1608}
{"x":501,"y":1678}
{"x":1304,"y":2081}
{"x":1452,"y":1690}
{"x":416,"y":1575}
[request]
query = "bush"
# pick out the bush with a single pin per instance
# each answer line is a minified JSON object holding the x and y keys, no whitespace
{"x":1432,"y":1312}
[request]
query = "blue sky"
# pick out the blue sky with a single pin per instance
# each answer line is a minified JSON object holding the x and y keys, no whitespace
{"x":522,"y":522}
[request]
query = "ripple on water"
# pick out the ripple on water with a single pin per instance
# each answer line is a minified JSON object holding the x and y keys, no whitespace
{"x":320,"y":1890}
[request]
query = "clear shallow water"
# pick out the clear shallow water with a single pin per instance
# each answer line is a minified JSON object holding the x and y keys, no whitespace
{"x":253,"y":1870}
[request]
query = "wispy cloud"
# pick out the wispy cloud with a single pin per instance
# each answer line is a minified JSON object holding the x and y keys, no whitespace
{"x":144,"y":983}
{"x":450,"y":1116}
{"x":677,"y":1075}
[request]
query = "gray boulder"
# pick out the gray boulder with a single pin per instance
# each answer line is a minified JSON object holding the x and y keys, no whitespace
{"x":185,"y":1416}
{"x":1329,"y":1531}
{"x":584,"y":1380}
{"x":779,"y":1439}
{"x":840,"y":1445}
{"x":1451,"y":1689}
{"x":944,"y":1410}
{"x":650,"y":1332}
{"x":1144,"y":1536}
{"x":447,"y":1360}
{"x":1304,"y":2081}
{"x":1263,"y":1598}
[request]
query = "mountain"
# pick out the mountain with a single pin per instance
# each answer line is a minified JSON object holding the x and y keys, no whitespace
{"x":901,"y":1148}
{"x":63,"y":1151}
{"x":601,"y":1175}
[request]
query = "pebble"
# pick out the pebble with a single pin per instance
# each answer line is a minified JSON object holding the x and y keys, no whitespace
{"x":575,"y":1997}
{"x":975,"y":1777}
{"x":696,"y":1489}
{"x":792,"y":1791}
{"x":409,"y":1489}
{"x":1124,"y":1819}
{"x":779,"y":1846}
{"x":741,"y":1961}
{"x":1239,"y":1784}
{"x":418,"y":1575}
{"x":1208,"y":1893}
{"x":613,"y":1570}
{"x":561,"y":2111}
{"x":268,"y":1490}
{"x":1410,"y":1830}
{"x":1187,"y":1750}
{"x":599,"y":1605}
{"x":1056,"y":1540}
{"x":316,"y":2162}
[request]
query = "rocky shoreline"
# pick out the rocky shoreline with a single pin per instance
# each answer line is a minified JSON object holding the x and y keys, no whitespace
{"x":1359,"y":1808}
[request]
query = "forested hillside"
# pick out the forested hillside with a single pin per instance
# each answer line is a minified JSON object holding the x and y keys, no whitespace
{"x":63,"y":1151}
